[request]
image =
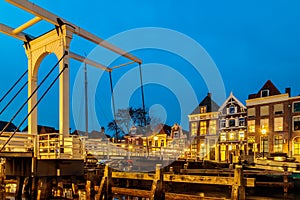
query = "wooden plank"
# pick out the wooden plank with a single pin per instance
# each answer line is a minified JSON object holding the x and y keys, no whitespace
{"x":176,"y":196}
{"x":249,"y":182}
{"x":214,"y":180}
{"x":131,"y":192}
{"x":133,"y":175}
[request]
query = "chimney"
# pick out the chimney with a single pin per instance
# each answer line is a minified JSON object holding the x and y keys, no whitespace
{"x":288,"y":90}
{"x":209,"y":94}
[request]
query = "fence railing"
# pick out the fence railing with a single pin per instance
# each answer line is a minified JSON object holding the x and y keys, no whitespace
{"x":21,"y":142}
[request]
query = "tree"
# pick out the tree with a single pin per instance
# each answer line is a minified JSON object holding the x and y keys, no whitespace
{"x":115,"y":129}
{"x":126,"y":118}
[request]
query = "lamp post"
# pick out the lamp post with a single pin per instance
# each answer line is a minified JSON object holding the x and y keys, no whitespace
{"x":263,"y":132}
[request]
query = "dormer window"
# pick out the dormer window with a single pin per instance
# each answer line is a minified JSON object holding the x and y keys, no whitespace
{"x":232,"y":109}
{"x":264,"y":93}
{"x":202,"y":109}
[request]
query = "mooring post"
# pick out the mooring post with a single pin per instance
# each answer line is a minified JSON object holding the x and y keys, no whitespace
{"x":185,"y":167}
{"x":285,"y":179}
{"x":157,"y":192}
{"x":88,"y":189}
{"x":108,"y":195}
{"x":238,"y":187}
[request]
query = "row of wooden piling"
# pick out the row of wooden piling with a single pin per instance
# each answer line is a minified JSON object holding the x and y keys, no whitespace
{"x":107,"y":191}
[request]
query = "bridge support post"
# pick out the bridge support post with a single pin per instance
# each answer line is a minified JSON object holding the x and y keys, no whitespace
{"x":238,"y":188}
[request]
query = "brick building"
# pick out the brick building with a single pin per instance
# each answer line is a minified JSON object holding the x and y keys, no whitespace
{"x":273,"y":121}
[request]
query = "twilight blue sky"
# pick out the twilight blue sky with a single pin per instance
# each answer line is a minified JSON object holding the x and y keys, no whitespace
{"x":249,"y":41}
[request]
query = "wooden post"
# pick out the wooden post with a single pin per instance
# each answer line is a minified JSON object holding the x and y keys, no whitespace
{"x":238,"y":187}
{"x":157,"y":185}
{"x":103,"y":180}
{"x":108,"y":195}
{"x":285,"y":179}
{"x":185,"y":167}
{"x":88,"y":189}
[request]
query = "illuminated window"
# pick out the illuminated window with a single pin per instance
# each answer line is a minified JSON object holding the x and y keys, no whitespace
{"x":203,"y":128}
{"x":251,"y":139}
{"x":278,"y":143}
{"x":296,"y":148}
{"x":241,"y":135}
{"x":223,"y":137}
{"x":278,"y":124}
{"x":264,"y":144}
{"x":264,"y":124}
{"x":194,"y":128}
{"x":251,"y":126}
{"x":296,"y":123}
{"x":212,"y":127}
{"x":232,"y":136}
{"x":203,"y":109}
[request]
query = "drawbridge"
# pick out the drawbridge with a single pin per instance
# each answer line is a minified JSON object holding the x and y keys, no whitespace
{"x":54,"y":153}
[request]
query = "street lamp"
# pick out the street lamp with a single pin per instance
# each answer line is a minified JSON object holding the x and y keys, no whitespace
{"x":264,"y":133}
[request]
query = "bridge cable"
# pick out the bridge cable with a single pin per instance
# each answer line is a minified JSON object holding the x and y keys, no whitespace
{"x":14,"y":85}
{"x":35,"y":90}
{"x":43,"y":95}
{"x":113,"y":102}
{"x":18,"y":92}
{"x":142,"y":93}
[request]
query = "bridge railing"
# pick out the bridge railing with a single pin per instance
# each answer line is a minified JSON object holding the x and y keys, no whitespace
{"x":20,"y":142}
{"x":50,"y":147}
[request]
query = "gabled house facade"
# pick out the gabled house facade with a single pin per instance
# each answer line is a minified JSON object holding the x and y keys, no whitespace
{"x":233,"y":129}
{"x":273,"y":122}
{"x":203,"y":122}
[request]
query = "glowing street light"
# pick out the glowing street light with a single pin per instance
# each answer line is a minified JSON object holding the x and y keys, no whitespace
{"x":263,"y":133}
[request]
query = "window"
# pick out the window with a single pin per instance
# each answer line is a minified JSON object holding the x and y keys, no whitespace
{"x":194,"y":128}
{"x":203,"y":128}
{"x":232,"y":109}
{"x":232,"y":136}
{"x":278,"y":109}
{"x":223,"y":123}
{"x":241,"y":135}
{"x":232,"y":122}
{"x":264,"y":124}
{"x":156,"y":143}
{"x":264,"y":110}
{"x":296,"y":145}
{"x":264,"y":93}
{"x":264,"y":144}
{"x":162,"y":143}
{"x":251,"y":112}
{"x":296,"y":123}
{"x":223,"y":137}
{"x":278,"y":143}
{"x":203,"y":109}
{"x":296,"y":106}
{"x":278,"y":124}
{"x":251,"y":139}
{"x":242,"y":121}
{"x":212,"y":127}
{"x":251,"y":126}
